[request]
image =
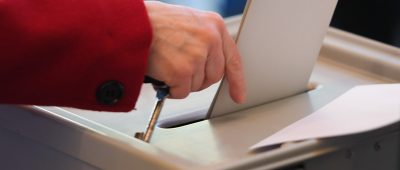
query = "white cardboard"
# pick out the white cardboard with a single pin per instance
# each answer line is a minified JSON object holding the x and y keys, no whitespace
{"x":361,"y":109}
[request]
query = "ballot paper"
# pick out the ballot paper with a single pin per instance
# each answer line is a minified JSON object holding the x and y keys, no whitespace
{"x":361,"y":109}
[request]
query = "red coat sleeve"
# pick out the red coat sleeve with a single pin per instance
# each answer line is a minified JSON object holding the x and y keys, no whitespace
{"x":88,"y":54}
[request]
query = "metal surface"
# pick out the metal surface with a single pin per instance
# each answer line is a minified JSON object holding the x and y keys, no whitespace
{"x":221,"y":143}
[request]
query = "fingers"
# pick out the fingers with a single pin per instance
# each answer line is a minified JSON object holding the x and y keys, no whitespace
{"x":181,"y":90}
{"x":192,"y":50}
{"x":223,"y":58}
{"x":180,"y":83}
{"x":198,"y":67}
{"x":224,"y":54}
{"x":188,"y":74}
{"x":214,"y":69}
{"x":233,"y":69}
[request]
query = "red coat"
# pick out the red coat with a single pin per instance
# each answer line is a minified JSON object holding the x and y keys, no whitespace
{"x":88,"y":54}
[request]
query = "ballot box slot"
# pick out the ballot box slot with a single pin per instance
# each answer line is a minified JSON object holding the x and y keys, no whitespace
{"x":181,"y":120}
{"x":294,"y":167}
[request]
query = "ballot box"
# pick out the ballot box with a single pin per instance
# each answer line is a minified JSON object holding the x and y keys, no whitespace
{"x":34,"y":137}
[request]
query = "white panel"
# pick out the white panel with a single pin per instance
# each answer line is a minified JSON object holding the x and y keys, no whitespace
{"x":279,"y":42}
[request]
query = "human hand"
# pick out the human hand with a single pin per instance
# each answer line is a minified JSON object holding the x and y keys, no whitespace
{"x":192,"y":50}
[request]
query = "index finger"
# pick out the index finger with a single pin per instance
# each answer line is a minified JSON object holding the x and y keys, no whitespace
{"x":234,"y":72}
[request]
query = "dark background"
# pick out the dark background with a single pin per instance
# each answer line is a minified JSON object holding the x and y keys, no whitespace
{"x":375,"y":19}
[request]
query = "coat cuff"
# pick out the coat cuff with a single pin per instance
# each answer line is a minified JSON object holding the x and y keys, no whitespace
{"x":118,"y":76}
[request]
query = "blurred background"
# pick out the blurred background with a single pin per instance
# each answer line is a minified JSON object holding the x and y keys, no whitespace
{"x":375,"y":19}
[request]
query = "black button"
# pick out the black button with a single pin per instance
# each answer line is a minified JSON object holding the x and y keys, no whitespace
{"x":110,"y":92}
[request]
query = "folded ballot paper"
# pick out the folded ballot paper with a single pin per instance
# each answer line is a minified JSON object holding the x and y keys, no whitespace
{"x":361,"y":109}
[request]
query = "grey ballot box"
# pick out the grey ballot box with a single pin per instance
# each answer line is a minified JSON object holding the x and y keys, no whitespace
{"x":33,"y":137}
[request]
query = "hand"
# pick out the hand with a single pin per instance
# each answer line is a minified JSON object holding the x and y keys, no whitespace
{"x":192,"y":50}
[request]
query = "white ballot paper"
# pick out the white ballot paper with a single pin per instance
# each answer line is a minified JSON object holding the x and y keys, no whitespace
{"x":361,"y":109}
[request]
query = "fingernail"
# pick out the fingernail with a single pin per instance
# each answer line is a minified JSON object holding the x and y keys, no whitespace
{"x":241,"y":99}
